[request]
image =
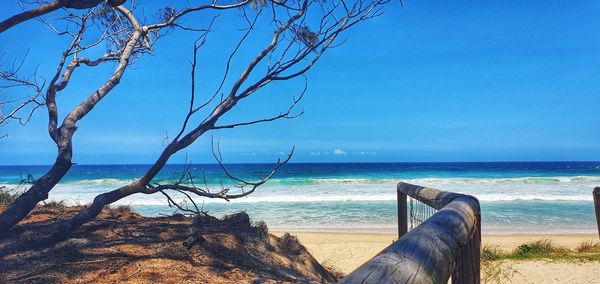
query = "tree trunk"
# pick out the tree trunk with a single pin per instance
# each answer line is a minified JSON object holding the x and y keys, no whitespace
{"x":63,"y":137}
{"x":36,"y":193}
{"x":63,"y":229}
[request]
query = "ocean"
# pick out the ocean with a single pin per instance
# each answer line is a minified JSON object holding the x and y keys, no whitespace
{"x":523,"y":197}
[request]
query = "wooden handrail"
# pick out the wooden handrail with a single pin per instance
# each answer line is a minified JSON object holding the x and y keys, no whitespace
{"x":434,"y":250}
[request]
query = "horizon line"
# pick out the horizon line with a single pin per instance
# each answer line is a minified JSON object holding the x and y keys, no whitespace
{"x":308,"y":163}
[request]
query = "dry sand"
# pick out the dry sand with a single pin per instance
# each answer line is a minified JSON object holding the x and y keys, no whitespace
{"x":347,"y":251}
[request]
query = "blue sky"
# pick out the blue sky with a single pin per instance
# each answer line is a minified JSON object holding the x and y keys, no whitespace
{"x":430,"y":81}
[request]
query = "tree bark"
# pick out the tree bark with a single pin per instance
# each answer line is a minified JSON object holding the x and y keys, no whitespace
{"x":38,"y":192}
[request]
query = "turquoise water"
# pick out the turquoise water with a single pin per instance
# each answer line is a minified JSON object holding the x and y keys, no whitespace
{"x":515,"y":197}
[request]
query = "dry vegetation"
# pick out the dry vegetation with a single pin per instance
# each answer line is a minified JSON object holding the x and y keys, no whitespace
{"x":545,"y":249}
{"x":122,"y":246}
{"x":6,"y":197}
{"x":493,"y":268}
{"x":588,"y":247}
{"x":498,"y":266}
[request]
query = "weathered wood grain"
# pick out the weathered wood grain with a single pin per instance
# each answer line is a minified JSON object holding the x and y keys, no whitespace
{"x":428,"y":253}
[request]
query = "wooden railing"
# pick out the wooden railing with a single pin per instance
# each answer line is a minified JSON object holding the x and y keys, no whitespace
{"x":445,"y":245}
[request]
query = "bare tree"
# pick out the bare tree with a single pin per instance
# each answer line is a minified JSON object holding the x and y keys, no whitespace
{"x":303,"y":31}
{"x":123,"y":43}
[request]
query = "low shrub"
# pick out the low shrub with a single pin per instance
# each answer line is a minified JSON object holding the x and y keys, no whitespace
{"x":588,"y":247}
{"x":55,"y":204}
{"x":123,"y":209}
{"x":544,"y":246}
{"x":290,"y":244}
{"x":491,"y":253}
{"x":7,"y":196}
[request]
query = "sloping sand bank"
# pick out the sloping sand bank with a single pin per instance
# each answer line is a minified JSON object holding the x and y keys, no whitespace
{"x":121,"y":246}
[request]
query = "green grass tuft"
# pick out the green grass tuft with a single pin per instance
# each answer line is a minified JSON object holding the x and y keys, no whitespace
{"x":497,"y":265}
{"x":540,"y":247}
{"x":543,"y":249}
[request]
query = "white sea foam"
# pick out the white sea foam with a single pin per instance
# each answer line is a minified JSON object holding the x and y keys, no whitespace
{"x":367,"y":203}
{"x":562,"y":188}
{"x":435,"y":180}
{"x":518,"y":180}
{"x":102,"y":182}
{"x":485,"y":190}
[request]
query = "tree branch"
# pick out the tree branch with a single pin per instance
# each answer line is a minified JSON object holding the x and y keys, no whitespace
{"x":49,"y":8}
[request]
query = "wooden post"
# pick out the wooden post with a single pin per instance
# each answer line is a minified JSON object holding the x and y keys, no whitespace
{"x":402,"y":214}
{"x":476,"y":260}
{"x":596,"y":194}
{"x":468,"y":265}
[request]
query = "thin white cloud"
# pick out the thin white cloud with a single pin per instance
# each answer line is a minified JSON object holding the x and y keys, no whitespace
{"x":315,"y":153}
{"x":365,"y":153}
{"x":339,"y":152}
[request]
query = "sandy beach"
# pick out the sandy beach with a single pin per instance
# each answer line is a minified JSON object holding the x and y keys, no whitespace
{"x":347,"y":251}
